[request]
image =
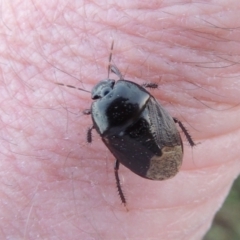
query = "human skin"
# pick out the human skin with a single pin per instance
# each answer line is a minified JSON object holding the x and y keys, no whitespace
{"x":54,"y":185}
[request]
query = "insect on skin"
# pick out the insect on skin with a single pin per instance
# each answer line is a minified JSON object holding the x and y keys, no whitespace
{"x":136,"y":129}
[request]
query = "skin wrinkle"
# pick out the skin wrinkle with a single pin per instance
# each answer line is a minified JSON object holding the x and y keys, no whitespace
{"x":170,"y":44}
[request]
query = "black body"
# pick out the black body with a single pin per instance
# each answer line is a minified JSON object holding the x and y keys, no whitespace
{"x":136,"y":129}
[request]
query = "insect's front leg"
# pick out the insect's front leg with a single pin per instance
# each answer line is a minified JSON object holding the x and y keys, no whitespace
{"x":89,"y":131}
{"x":87,"y":112}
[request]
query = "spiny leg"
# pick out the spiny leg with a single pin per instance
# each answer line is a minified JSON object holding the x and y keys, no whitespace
{"x":89,"y":131}
{"x":150,"y":85}
{"x":185,"y":131}
{"x":89,"y":134}
{"x":116,"y":168}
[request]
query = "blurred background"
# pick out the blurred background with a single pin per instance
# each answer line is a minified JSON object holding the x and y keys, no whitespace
{"x":226,"y":225}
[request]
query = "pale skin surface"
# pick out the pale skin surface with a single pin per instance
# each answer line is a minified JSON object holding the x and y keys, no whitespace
{"x":56,"y":186}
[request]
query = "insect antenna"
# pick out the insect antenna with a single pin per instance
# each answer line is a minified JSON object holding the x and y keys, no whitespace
{"x":111,"y":67}
{"x":110,"y":58}
{"x":70,"y":86}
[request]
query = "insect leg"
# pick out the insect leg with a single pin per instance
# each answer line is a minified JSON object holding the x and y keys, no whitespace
{"x":87,"y":112}
{"x":186,"y":133}
{"x":120,"y":192}
{"x":150,"y":85}
{"x":89,"y":131}
{"x":89,"y":134}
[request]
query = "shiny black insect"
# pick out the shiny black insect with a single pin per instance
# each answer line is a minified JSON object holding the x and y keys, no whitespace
{"x":136,"y":128}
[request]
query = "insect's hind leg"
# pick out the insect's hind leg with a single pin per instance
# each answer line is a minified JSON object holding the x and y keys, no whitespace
{"x":185,"y":131}
{"x":120,"y":192}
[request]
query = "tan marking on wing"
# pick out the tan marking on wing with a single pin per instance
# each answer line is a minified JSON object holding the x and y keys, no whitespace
{"x":167,"y":165}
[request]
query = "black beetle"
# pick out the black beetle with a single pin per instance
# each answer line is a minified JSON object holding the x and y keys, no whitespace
{"x":136,"y":129}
